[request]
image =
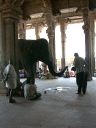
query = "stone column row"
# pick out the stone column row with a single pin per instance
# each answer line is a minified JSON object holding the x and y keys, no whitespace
{"x":89,"y":54}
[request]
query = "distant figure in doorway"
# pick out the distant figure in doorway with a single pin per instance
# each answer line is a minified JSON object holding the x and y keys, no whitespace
{"x":81,"y":73}
{"x":10,"y":78}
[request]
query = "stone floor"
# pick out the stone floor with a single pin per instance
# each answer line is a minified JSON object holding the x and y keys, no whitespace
{"x":59,"y":107}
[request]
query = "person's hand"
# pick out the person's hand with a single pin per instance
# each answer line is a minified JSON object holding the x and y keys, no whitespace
{"x":73,"y":69}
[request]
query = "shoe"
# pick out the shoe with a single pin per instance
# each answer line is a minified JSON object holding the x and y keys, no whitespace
{"x":12,"y":101}
{"x":78,"y":93}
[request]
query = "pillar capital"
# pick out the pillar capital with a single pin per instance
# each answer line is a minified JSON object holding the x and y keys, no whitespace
{"x":85,"y":13}
{"x":11,"y":8}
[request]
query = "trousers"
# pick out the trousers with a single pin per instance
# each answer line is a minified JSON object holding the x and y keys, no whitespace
{"x":81,"y":80}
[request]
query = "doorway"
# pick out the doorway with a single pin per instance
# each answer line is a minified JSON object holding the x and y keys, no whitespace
{"x":75,"y":42}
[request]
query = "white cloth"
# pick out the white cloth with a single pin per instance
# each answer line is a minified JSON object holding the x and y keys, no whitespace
{"x":29,"y":91}
{"x":10,"y":72}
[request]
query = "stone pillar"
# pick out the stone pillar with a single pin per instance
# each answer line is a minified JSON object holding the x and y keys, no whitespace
{"x":51,"y":36}
{"x":88,"y":45}
{"x":21,"y":30}
{"x":37,"y":31}
{"x":63,"y":37}
{"x":51,"y":28}
{"x":1,"y":42}
{"x":10,"y":39}
{"x":11,"y":13}
{"x":2,"y":89}
{"x":92,"y":41}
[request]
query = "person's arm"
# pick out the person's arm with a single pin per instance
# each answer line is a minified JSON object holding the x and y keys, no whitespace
{"x":6,"y":73}
{"x":6,"y":77}
{"x":74,"y":62}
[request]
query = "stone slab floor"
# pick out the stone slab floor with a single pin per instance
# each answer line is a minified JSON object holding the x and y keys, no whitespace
{"x":59,"y":107}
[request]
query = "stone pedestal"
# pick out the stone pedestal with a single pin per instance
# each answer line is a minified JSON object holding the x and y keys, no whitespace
{"x":2,"y":89}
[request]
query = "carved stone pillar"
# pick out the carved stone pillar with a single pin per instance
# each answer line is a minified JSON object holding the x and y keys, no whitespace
{"x":37,"y":31}
{"x":11,"y":13}
{"x":51,"y":35}
{"x":63,"y":37}
{"x":8,"y":33}
{"x":21,"y":30}
{"x":51,"y":29}
{"x":92,"y":41}
{"x":88,"y":45}
{"x":10,"y":39}
{"x":1,"y":42}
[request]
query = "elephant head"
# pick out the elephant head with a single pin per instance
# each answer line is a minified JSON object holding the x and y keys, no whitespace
{"x":32,"y":51}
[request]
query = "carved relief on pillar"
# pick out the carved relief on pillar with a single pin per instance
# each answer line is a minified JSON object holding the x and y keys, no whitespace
{"x":50,"y":32}
{"x":86,"y":25}
{"x":21,"y":30}
{"x":51,"y":28}
{"x":38,"y":29}
{"x":46,"y":5}
{"x":47,"y":9}
{"x":11,"y":8}
{"x":50,"y":23}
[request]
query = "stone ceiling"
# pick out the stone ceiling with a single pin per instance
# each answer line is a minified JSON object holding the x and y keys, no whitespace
{"x":37,"y":6}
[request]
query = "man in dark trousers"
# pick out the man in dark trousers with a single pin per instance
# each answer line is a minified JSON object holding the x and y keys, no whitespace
{"x":81,"y":73}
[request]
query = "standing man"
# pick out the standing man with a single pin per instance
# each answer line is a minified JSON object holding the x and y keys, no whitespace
{"x":10,"y":78}
{"x":81,"y":73}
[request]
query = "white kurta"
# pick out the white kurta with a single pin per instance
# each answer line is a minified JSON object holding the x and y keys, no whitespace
{"x":29,"y":91}
{"x":10,"y":72}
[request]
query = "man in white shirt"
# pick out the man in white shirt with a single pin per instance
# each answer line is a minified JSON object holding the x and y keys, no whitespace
{"x":10,"y":78}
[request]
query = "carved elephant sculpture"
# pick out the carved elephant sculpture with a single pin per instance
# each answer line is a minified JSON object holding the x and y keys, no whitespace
{"x":32,"y":51}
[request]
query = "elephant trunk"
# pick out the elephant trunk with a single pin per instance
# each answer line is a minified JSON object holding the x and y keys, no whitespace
{"x":59,"y":74}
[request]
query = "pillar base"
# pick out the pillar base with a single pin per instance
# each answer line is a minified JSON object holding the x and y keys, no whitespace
{"x":2,"y":89}
{"x":89,"y":77}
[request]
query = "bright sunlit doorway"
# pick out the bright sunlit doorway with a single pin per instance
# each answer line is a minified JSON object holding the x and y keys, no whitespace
{"x":74,"y":42}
